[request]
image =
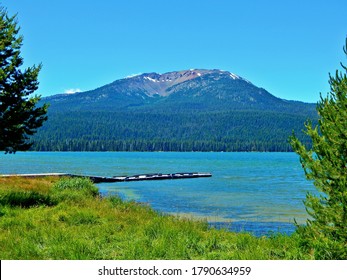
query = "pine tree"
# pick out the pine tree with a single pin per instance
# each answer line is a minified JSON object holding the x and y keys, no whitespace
{"x":325,"y":233}
{"x":19,"y":115}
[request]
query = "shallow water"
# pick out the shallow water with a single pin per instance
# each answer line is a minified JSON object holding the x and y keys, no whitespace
{"x":256,"y":192}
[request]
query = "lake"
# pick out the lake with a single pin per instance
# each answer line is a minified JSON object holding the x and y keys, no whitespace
{"x":257,"y":192}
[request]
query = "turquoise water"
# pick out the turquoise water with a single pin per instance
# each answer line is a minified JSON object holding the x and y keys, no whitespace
{"x":257,"y":192}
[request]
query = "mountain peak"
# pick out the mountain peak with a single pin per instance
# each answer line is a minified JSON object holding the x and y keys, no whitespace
{"x":156,"y":83}
{"x":183,"y":75}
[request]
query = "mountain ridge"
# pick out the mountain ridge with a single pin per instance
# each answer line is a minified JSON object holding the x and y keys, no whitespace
{"x":199,"y":89}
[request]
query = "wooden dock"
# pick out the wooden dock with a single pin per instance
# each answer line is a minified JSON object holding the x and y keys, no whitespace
{"x":100,"y":179}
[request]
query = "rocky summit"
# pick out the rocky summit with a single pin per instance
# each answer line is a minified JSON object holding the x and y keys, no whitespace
{"x":161,"y":84}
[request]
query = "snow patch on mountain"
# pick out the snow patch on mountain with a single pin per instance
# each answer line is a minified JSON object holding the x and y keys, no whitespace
{"x":234,"y":76}
{"x":150,"y":79}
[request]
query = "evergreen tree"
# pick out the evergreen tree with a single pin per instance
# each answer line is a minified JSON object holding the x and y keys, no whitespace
{"x":19,"y":115}
{"x":325,"y":234}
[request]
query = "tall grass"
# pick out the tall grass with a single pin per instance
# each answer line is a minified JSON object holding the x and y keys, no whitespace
{"x":25,"y":199}
{"x":69,"y":220}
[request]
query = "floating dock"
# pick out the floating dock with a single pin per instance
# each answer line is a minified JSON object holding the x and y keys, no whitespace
{"x":159,"y":176}
{"x":140,"y":177}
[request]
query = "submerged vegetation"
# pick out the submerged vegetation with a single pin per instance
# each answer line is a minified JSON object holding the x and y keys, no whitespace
{"x":49,"y":218}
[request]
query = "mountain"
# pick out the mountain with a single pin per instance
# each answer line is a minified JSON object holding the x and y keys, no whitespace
{"x":190,"y":110}
{"x":195,"y":89}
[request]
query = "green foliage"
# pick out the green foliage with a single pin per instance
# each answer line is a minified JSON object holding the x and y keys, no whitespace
{"x":76,"y":183}
{"x":189,"y":131}
{"x":73,"y":189}
{"x":326,"y":165}
{"x":108,"y":228}
{"x":25,"y":199}
{"x":19,"y":115}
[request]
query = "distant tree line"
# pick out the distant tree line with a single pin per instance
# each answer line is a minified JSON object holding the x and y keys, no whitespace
{"x":121,"y":131}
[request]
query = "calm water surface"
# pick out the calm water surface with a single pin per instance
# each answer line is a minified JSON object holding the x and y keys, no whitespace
{"x":257,"y":192}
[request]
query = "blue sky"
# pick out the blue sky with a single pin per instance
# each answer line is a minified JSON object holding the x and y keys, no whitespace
{"x":286,"y":47}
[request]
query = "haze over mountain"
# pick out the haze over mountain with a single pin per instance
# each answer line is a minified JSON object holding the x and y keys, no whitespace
{"x":196,"y":109}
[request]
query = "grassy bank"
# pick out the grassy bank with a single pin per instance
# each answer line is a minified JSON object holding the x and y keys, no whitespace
{"x":48,"y":218}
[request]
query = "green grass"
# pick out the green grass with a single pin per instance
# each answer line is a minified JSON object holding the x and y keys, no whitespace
{"x":67,"y":219}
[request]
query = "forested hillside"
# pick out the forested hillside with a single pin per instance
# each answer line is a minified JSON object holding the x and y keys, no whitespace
{"x":193,"y":110}
{"x":232,"y":131}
